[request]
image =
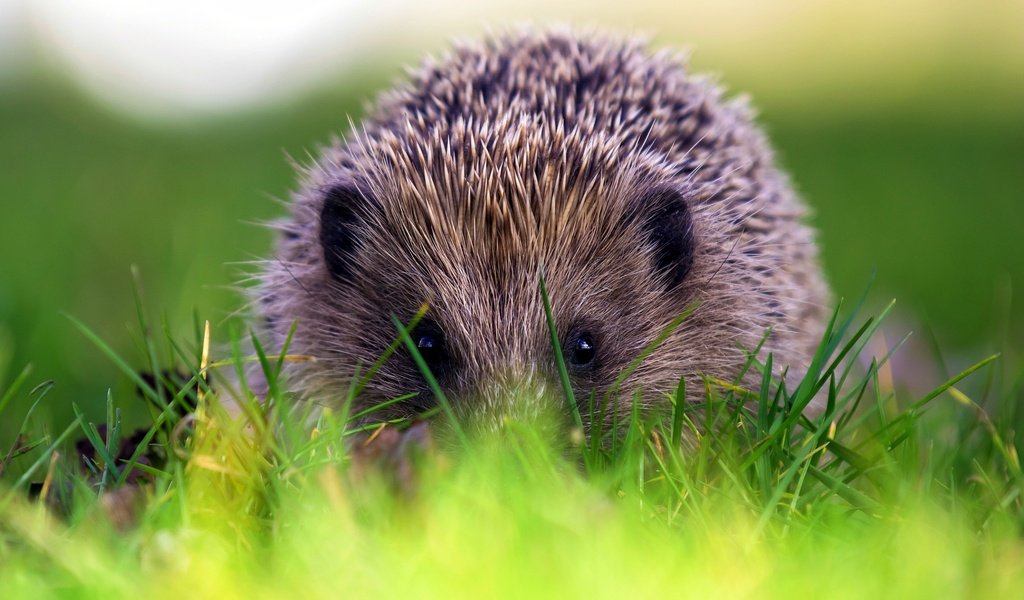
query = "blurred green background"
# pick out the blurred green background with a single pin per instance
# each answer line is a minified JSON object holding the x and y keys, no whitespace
{"x":904,"y":132}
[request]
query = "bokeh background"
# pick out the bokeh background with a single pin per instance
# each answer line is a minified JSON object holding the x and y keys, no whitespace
{"x":156,"y":134}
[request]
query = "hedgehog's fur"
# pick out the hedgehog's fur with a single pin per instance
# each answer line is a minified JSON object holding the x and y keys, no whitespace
{"x":634,"y":183}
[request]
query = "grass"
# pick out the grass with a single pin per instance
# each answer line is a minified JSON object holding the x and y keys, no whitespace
{"x":741,"y":495}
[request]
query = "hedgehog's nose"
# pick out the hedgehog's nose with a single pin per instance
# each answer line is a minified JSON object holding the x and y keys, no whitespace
{"x":514,"y":399}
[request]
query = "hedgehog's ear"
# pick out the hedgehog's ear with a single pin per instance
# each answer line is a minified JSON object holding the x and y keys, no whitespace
{"x":668,"y":224}
{"x":338,"y":220}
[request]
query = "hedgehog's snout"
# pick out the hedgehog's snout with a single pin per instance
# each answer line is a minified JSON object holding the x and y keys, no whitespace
{"x":510,"y":398}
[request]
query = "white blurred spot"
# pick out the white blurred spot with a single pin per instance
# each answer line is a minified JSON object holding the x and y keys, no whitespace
{"x":200,"y":55}
{"x":12,"y":17}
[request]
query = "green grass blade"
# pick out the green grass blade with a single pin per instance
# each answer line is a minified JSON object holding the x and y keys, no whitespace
{"x":15,"y":387}
{"x":439,"y":394}
{"x":556,"y":347}
{"x":93,"y":436}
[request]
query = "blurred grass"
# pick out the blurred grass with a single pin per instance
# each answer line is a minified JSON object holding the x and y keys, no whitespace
{"x":933,"y":205}
{"x":929,"y":199}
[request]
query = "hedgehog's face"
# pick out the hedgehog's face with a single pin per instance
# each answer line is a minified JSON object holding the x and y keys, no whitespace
{"x":617,"y":250}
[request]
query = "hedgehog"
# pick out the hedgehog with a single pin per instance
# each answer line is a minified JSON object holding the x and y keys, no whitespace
{"x":635,"y":187}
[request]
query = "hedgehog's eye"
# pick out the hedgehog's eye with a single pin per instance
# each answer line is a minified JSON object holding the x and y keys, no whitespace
{"x":428,"y":345}
{"x":582,"y":350}
{"x":431,"y":345}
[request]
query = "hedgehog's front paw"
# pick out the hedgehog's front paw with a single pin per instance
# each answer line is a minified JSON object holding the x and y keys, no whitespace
{"x":396,"y":456}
